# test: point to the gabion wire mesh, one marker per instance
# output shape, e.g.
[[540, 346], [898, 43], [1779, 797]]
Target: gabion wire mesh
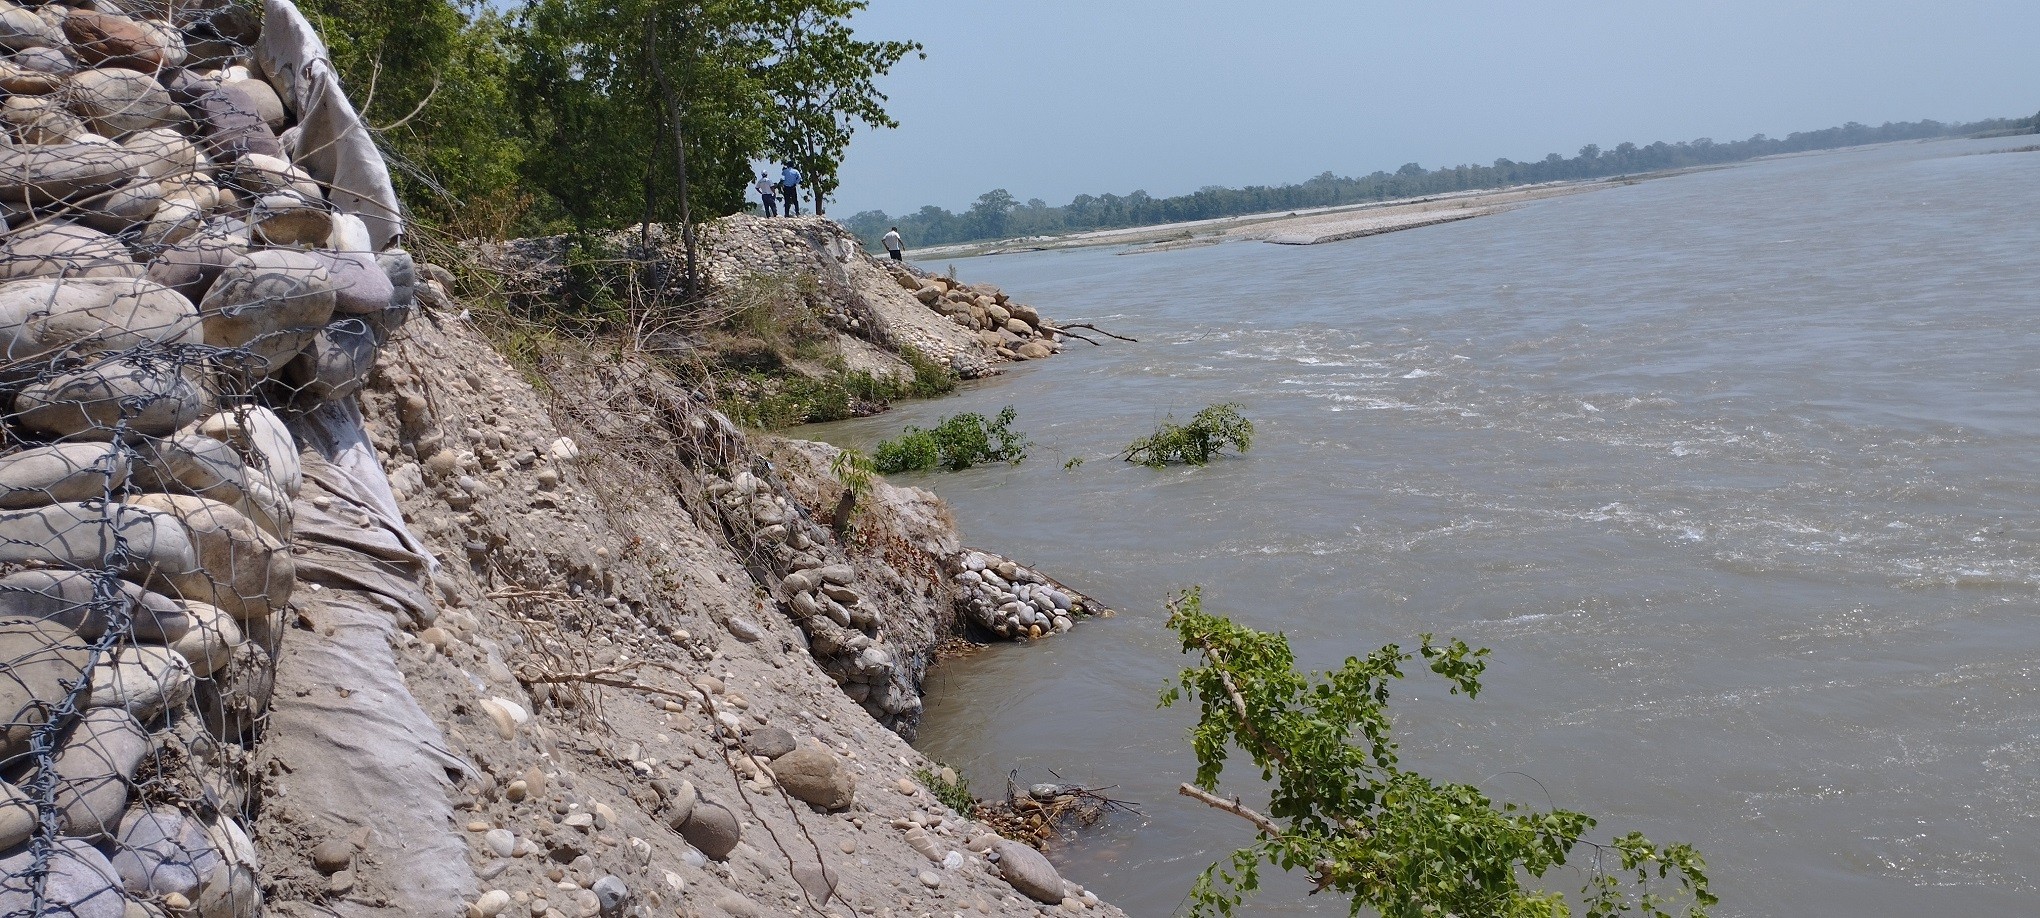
[[186, 263]]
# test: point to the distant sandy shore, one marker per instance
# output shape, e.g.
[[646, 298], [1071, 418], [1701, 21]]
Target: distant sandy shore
[[1302, 227]]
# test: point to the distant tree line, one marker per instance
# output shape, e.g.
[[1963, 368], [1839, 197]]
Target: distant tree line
[[998, 215]]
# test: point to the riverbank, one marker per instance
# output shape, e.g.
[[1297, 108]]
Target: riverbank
[[1304, 227], [668, 657], [794, 322]]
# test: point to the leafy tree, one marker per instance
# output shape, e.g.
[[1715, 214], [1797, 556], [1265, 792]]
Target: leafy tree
[[823, 84], [430, 78], [1343, 809], [989, 214], [628, 99]]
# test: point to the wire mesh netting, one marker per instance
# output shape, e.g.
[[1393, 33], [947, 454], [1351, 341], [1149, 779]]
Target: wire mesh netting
[[200, 242]]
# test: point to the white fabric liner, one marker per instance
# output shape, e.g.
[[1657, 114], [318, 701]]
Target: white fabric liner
[[333, 145], [356, 748]]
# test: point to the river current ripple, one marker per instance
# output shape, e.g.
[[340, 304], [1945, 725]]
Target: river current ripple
[[1738, 472]]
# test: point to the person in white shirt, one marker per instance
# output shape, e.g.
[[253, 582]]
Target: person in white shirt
[[892, 244], [768, 194]]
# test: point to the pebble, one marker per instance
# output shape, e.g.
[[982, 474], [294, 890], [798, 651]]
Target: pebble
[[930, 879], [743, 629], [611, 895], [332, 855], [906, 786], [491, 904], [501, 841]]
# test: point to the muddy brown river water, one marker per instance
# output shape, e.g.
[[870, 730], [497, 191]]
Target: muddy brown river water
[[1738, 472]]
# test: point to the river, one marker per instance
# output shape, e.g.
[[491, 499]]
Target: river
[[1738, 473]]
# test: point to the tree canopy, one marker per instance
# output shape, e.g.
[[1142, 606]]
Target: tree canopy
[[584, 115]]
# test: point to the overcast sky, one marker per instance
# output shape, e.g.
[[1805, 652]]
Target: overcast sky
[[1052, 98]]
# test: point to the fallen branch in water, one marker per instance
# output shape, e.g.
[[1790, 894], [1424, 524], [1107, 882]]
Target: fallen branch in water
[[1065, 331]]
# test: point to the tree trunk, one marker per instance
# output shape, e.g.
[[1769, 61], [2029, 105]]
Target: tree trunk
[[672, 103], [651, 194]]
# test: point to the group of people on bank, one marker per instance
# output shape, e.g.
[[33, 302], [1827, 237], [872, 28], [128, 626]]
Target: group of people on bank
[[784, 194], [786, 189]]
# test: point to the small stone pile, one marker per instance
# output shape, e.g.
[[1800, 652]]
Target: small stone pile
[[172, 270], [844, 634], [1012, 330], [1015, 602]]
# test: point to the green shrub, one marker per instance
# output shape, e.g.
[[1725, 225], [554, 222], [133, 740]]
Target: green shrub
[[953, 794], [913, 451], [956, 444], [931, 377], [768, 401], [1343, 808], [1209, 432]]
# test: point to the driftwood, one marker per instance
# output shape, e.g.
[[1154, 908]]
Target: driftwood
[[1038, 820], [1064, 330]]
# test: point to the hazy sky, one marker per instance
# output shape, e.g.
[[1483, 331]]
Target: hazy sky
[[1053, 98]]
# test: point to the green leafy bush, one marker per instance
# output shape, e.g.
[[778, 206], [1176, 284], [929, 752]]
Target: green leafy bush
[[931, 377], [954, 794], [957, 443], [765, 401], [1342, 807], [1209, 432]]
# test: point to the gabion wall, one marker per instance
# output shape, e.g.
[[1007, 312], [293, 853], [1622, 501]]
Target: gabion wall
[[201, 244]]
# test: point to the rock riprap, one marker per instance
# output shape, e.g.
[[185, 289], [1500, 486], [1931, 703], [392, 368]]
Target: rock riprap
[[1016, 602], [190, 258], [1013, 331]]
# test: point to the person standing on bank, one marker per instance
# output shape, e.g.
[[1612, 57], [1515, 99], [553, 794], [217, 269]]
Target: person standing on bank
[[789, 188], [768, 194], [892, 244]]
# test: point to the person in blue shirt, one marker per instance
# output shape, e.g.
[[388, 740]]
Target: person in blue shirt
[[789, 189]]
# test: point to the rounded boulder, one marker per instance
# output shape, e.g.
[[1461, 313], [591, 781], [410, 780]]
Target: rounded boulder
[[116, 101], [72, 251], [41, 317], [43, 174], [817, 776], [268, 304], [150, 393]]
